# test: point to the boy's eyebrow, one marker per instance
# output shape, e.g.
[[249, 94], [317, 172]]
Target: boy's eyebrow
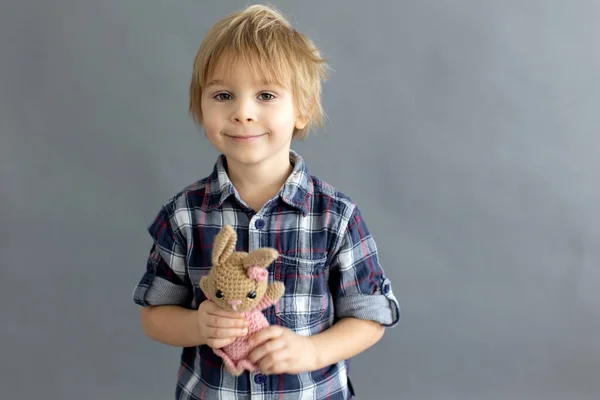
[[262, 82], [215, 82]]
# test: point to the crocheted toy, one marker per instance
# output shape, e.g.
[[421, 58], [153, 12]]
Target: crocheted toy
[[238, 281]]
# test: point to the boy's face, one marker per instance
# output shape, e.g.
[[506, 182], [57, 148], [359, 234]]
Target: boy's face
[[247, 120]]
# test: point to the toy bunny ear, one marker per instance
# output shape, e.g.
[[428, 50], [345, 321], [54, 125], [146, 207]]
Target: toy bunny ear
[[224, 245], [260, 258]]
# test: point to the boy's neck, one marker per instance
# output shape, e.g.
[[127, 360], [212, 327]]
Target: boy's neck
[[258, 183]]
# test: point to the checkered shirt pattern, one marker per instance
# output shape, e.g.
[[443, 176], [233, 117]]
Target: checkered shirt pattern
[[328, 262]]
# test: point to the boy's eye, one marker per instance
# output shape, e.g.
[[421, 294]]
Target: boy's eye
[[266, 96], [219, 294], [223, 96]]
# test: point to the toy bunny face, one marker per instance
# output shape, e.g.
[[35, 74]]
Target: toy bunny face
[[237, 280]]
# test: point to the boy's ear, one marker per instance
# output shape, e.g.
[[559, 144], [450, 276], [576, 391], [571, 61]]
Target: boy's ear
[[261, 258], [301, 122]]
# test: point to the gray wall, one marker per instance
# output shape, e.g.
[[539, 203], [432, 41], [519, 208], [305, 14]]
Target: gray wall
[[467, 132]]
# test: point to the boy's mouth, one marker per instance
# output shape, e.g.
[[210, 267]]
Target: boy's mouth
[[245, 138]]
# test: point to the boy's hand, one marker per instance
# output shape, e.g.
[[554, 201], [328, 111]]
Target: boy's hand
[[282, 351], [217, 327]]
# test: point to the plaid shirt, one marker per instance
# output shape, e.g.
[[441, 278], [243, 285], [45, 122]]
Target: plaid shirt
[[328, 262]]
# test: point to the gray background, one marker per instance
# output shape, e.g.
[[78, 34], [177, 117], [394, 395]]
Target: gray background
[[466, 130]]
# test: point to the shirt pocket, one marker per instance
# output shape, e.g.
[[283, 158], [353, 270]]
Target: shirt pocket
[[306, 297]]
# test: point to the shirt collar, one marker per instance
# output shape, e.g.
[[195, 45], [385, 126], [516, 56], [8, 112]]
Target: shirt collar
[[295, 191]]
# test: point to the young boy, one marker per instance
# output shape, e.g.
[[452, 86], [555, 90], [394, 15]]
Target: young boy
[[255, 87]]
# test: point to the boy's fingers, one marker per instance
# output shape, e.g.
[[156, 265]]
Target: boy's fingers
[[263, 335], [217, 311], [266, 349], [225, 333], [226, 322]]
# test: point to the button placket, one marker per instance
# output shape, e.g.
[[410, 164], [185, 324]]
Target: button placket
[[258, 379]]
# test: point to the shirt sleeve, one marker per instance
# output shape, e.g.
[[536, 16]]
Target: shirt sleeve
[[357, 280], [165, 281]]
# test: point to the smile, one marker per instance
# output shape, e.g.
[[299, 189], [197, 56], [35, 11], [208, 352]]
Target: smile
[[245, 139]]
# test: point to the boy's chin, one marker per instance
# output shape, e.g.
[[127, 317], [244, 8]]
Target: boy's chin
[[246, 156], [253, 156], [243, 159]]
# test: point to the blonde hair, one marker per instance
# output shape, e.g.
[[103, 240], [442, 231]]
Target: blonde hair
[[264, 39]]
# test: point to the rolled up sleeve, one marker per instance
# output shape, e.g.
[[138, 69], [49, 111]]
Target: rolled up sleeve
[[357, 280], [165, 281]]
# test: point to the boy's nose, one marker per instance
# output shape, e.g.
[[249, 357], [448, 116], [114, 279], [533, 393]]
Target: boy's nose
[[244, 120], [234, 303], [244, 113]]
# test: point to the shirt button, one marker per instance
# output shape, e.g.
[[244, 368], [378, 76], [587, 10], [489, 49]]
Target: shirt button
[[260, 379], [260, 223], [386, 288]]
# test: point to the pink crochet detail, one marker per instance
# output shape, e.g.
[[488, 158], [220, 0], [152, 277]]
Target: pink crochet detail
[[235, 354], [257, 273]]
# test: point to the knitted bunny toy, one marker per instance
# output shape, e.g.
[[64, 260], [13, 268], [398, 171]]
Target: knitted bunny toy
[[238, 281]]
